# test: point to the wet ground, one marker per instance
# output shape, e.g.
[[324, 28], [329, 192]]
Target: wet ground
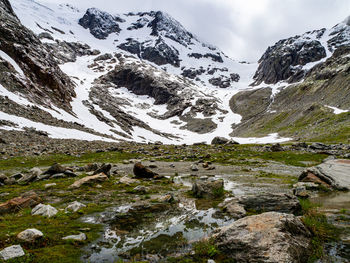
[[170, 232]]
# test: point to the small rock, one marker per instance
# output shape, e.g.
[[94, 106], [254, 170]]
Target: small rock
[[127, 180], [276, 148], [30, 235], [219, 140], [194, 168], [140, 189], [44, 210], [80, 237], [90, 167], [98, 178], [11, 252], [74, 206], [153, 166], [169, 198], [47, 186], [205, 165], [36, 171], [140, 171], [56, 169], [126, 162], [105, 168], [29, 199]]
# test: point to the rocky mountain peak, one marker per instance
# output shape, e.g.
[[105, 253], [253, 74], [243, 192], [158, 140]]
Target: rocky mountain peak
[[164, 24], [347, 21], [101, 24]]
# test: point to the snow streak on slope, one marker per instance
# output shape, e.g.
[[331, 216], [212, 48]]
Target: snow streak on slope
[[61, 21]]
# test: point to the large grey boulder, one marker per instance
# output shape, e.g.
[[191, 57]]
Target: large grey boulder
[[208, 188], [332, 173], [269, 237], [11, 252], [268, 202]]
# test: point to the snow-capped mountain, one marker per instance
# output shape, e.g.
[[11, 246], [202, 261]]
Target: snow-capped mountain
[[138, 76]]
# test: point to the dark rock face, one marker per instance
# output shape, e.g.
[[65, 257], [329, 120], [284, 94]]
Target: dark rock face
[[251, 103], [142, 83], [45, 81], [65, 52], [215, 57], [283, 61], [140, 171], [160, 53], [101, 24]]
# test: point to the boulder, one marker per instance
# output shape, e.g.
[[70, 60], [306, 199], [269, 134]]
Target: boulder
[[140, 171], [48, 186], [233, 208], [268, 202], [332, 173], [88, 180], [127, 180], [220, 140], [30, 235], [90, 167], [80, 237], [74, 207], [29, 199], [44, 210], [194, 168], [208, 188], [3, 178], [11, 252], [55, 169], [276, 148], [269, 237]]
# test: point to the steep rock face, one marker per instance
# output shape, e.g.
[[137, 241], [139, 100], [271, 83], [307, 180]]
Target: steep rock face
[[164, 24], [101, 24], [160, 53], [65, 52], [339, 35], [45, 82], [142, 83], [283, 61]]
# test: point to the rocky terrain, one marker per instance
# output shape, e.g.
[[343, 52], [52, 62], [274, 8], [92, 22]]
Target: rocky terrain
[[158, 203], [125, 138]]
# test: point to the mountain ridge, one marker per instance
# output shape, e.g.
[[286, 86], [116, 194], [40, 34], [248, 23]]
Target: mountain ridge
[[161, 83]]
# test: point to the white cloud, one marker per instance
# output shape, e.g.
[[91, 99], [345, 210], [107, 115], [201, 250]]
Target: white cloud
[[241, 28]]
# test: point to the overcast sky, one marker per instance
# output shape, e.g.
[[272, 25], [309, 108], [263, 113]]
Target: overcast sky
[[243, 29]]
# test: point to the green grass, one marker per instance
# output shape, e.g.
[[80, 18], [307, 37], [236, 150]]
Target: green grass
[[322, 231], [51, 248]]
